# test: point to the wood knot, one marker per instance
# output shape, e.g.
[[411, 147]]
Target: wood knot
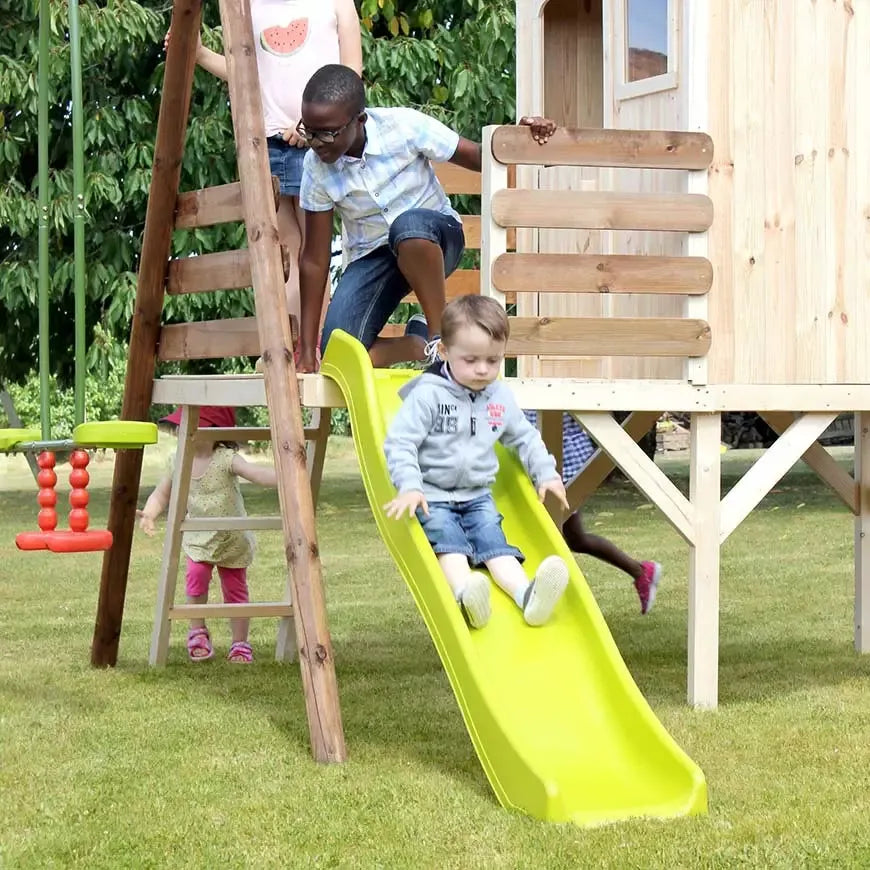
[[670, 148], [798, 159], [321, 654], [544, 321], [600, 267], [604, 288], [752, 261]]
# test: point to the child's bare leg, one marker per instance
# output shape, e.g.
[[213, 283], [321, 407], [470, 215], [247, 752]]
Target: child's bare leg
[[470, 588], [197, 599], [538, 599], [580, 541], [509, 577], [422, 264], [646, 575]]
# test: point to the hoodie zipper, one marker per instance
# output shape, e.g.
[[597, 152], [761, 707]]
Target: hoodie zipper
[[472, 420]]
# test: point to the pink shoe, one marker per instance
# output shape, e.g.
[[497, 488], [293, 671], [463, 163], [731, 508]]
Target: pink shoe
[[199, 646], [240, 653], [647, 585]]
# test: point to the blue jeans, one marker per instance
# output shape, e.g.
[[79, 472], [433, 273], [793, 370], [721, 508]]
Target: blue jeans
[[285, 162], [371, 288], [472, 528]]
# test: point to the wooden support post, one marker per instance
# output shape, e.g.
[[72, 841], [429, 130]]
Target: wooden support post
[[640, 469], [862, 532], [595, 472], [168, 151], [319, 429], [704, 489], [817, 458], [160, 633], [282, 391], [550, 427]]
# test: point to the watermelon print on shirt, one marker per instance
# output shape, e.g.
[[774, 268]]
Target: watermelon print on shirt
[[284, 41], [293, 39]]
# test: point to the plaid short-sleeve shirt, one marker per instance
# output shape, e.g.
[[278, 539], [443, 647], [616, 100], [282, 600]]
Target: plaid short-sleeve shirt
[[393, 175], [577, 447]]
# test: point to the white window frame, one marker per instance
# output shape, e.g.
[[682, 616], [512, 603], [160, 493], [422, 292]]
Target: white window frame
[[626, 90]]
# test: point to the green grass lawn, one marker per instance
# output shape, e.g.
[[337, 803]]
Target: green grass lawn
[[209, 766]]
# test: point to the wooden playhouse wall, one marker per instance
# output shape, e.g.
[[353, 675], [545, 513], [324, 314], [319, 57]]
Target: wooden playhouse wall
[[790, 243]]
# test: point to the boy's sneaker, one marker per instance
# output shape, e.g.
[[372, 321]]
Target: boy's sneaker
[[545, 590], [647, 585], [474, 601], [417, 325]]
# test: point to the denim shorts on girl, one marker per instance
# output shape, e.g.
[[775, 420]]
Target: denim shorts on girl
[[371, 288], [285, 163], [472, 528]]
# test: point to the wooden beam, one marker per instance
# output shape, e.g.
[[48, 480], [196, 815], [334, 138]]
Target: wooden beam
[[704, 489], [641, 470], [650, 149], [602, 210], [231, 524], [550, 426], [177, 510], [593, 273], [224, 270], [608, 336], [595, 472], [213, 205], [862, 533], [549, 394], [210, 339], [817, 458], [455, 179], [165, 175], [231, 611], [769, 469], [305, 583]]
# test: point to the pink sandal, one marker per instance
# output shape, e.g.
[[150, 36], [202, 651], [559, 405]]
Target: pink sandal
[[199, 646], [240, 653]]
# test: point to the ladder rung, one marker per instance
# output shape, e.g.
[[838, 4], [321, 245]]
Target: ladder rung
[[236, 433], [245, 433], [224, 270], [230, 524], [213, 205], [230, 611]]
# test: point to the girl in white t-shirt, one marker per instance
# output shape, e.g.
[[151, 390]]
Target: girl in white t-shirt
[[294, 38]]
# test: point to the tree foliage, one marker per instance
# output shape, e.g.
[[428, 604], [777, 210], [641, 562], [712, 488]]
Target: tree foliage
[[451, 58]]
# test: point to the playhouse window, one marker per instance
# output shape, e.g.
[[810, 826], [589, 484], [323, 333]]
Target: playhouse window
[[646, 38]]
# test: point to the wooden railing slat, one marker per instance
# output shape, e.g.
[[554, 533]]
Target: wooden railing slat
[[599, 273], [608, 336], [224, 270], [596, 210], [647, 149]]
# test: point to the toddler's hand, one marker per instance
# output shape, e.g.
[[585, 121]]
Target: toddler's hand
[[556, 487], [146, 523], [406, 501]]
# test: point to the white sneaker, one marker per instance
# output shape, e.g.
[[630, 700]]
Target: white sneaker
[[474, 601], [545, 590]]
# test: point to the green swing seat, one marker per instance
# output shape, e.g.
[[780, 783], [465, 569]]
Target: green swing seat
[[10, 437], [115, 434]]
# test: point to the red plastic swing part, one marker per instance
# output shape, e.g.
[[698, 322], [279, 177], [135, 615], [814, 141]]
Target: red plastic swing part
[[78, 539]]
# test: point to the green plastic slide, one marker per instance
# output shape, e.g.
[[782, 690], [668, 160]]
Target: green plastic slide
[[561, 729]]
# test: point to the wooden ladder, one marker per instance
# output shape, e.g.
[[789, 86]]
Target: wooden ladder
[[251, 199]]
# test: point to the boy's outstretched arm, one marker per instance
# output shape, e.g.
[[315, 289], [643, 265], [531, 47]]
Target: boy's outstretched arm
[[265, 475], [313, 274], [468, 154]]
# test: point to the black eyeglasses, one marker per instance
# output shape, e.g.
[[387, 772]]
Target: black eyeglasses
[[325, 136]]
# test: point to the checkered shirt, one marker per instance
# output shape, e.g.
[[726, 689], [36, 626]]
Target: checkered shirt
[[577, 447], [393, 175]]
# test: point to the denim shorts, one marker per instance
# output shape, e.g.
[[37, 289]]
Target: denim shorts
[[371, 288], [472, 528], [285, 162]]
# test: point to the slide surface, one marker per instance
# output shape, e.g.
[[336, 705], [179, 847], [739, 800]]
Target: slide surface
[[561, 729]]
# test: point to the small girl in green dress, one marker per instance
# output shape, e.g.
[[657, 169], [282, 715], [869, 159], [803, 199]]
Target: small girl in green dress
[[214, 492]]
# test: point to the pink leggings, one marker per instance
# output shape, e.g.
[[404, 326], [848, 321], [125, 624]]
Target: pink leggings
[[234, 581]]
